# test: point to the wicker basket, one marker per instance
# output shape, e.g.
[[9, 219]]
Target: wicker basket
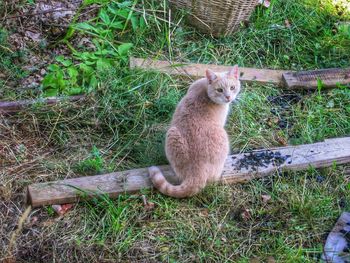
[[217, 17]]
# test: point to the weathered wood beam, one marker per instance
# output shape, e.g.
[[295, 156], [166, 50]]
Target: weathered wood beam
[[196, 71], [330, 78], [285, 78], [238, 168], [8, 107]]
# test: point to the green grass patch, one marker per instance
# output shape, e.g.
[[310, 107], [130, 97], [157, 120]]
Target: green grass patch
[[322, 116], [311, 41], [210, 227]]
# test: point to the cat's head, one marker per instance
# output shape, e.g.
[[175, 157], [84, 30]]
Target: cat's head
[[223, 87]]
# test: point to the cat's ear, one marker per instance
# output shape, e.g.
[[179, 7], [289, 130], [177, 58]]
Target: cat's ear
[[233, 73], [211, 76]]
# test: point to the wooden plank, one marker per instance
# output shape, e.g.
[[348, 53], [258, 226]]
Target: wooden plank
[[8, 107], [238, 168], [196, 71], [330, 78]]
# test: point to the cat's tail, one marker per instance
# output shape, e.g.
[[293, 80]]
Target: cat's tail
[[185, 189]]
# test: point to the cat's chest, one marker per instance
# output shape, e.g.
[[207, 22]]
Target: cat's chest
[[222, 116]]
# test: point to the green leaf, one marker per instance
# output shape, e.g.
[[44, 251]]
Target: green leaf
[[102, 52], [83, 55], [85, 68], [70, 33], [134, 22], [74, 91], [50, 92], [87, 62], [117, 25], [93, 82], [123, 13], [53, 67], [63, 61], [124, 48], [142, 22], [49, 80], [104, 16], [59, 58], [102, 64], [73, 74], [86, 26], [90, 2], [125, 4], [61, 83]]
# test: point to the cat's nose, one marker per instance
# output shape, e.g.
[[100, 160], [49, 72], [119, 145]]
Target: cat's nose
[[228, 98]]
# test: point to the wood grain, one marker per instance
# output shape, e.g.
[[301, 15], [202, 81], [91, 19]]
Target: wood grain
[[309, 79], [196, 71], [8, 107], [316, 155]]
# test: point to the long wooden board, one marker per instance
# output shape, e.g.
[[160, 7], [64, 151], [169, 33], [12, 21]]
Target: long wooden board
[[196, 71], [236, 170], [8, 107], [330, 78]]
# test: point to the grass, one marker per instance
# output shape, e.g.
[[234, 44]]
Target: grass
[[322, 116], [10, 66], [311, 41], [122, 126], [209, 227]]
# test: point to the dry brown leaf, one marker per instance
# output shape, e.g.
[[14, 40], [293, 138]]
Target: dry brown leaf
[[36, 37], [62, 209], [204, 212], [246, 214], [255, 260], [9, 260], [147, 205]]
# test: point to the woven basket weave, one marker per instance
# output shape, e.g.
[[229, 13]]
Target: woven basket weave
[[217, 17]]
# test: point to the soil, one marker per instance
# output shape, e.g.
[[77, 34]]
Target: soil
[[34, 33]]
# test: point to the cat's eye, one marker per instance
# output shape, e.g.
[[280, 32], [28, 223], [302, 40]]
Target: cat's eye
[[220, 90], [232, 87]]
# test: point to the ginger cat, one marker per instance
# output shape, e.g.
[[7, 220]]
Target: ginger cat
[[196, 143]]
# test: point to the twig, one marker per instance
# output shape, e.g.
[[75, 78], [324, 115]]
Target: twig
[[6, 48], [8, 107]]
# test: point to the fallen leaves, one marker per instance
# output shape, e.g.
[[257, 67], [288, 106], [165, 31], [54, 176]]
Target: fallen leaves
[[246, 214], [62, 209], [204, 212], [147, 205], [9, 260], [36, 37]]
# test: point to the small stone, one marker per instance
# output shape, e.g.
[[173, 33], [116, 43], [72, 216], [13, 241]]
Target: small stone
[[320, 179], [42, 72], [265, 198]]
